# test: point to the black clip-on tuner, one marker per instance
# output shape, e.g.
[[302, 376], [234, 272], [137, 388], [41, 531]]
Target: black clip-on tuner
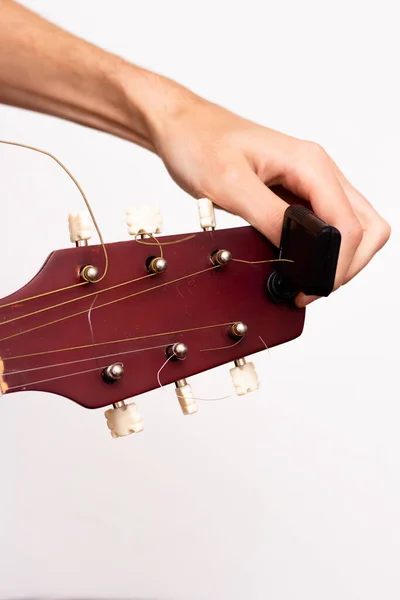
[[310, 248]]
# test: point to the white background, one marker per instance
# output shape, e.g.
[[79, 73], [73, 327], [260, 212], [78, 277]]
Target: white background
[[292, 492]]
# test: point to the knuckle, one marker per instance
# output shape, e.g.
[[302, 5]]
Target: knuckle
[[314, 151], [383, 231]]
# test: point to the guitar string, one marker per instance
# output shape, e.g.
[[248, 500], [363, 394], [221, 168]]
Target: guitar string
[[259, 262], [131, 339], [61, 364], [177, 389], [19, 333], [170, 243], [63, 289], [72, 300], [222, 347], [107, 289], [49, 293], [55, 378], [112, 301], [74, 362], [86, 201], [118, 354]]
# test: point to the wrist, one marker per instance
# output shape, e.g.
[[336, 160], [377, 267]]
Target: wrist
[[153, 102]]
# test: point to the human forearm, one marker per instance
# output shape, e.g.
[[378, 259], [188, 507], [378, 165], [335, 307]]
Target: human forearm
[[46, 69]]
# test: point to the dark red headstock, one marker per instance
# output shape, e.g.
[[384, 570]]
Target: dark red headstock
[[64, 349]]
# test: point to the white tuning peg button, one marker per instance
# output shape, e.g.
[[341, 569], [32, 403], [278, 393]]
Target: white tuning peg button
[[80, 227], [184, 394], [206, 214], [244, 377], [124, 419], [144, 219]]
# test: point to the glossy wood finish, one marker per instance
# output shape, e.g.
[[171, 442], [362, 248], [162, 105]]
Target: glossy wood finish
[[231, 293]]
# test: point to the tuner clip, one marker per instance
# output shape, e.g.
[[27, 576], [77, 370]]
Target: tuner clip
[[309, 252]]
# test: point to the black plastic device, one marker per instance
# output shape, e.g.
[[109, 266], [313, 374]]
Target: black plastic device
[[313, 247]]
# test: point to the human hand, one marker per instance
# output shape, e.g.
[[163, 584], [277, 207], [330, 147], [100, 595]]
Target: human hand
[[213, 153]]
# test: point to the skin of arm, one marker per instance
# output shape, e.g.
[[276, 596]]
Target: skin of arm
[[209, 151]]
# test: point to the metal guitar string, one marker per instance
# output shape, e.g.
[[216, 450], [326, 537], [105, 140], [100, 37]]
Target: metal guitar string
[[107, 303], [214, 267], [177, 393], [24, 385], [170, 243], [72, 300], [118, 354], [79, 360], [266, 347], [86, 201], [110, 288], [223, 347], [161, 368], [62, 364], [131, 339], [68, 287], [90, 318]]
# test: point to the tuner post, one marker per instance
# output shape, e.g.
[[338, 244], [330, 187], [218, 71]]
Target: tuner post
[[219, 258], [238, 330], [156, 264], [89, 273], [113, 373], [177, 351]]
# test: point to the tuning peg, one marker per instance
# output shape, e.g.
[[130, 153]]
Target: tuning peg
[[244, 377], [206, 214], [142, 220], [80, 227], [124, 419], [185, 396]]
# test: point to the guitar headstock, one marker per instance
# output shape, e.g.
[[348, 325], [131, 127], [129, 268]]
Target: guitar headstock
[[166, 309]]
